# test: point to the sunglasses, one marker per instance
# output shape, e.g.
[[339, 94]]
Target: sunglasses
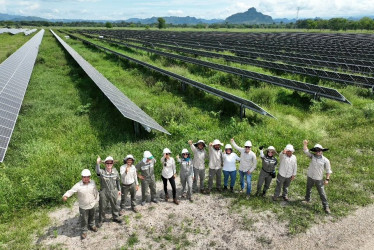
[[108, 163], [185, 154], [247, 147]]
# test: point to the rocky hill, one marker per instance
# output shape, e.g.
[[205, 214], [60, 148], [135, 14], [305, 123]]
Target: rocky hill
[[251, 16]]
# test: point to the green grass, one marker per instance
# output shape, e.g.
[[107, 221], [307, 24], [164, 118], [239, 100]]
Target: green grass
[[65, 122], [10, 43]]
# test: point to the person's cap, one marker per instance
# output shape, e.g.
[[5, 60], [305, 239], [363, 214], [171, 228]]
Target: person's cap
[[200, 141], [289, 147], [166, 151], [271, 149], [318, 147], [185, 151], [86, 172], [228, 146], [109, 158], [217, 142], [248, 144], [128, 157], [147, 155]]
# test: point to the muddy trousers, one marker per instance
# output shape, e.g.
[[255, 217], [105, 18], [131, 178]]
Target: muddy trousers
[[125, 190], [111, 197], [282, 182], [186, 179], [148, 183], [199, 174], [173, 187], [215, 173], [87, 218], [320, 188], [264, 177]]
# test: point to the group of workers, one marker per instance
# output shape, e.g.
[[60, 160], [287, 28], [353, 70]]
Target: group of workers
[[114, 183]]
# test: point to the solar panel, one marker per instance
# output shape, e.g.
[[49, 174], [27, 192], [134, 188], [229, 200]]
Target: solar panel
[[127, 108], [15, 73], [28, 32]]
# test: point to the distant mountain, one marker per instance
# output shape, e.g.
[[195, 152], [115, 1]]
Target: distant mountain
[[6, 17], [284, 20], [251, 16], [175, 20]]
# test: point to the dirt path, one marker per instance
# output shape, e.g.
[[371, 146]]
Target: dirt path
[[208, 222]]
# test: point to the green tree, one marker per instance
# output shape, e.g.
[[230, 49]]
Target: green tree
[[161, 23], [108, 25], [366, 23]]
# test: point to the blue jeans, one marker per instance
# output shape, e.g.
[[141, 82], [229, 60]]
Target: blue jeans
[[249, 179], [226, 175]]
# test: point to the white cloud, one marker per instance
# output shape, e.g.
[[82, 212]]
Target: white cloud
[[3, 6], [175, 12]]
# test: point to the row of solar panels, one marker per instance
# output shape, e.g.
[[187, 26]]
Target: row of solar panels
[[354, 65], [15, 73], [291, 84], [227, 96], [16, 31], [209, 38], [361, 81]]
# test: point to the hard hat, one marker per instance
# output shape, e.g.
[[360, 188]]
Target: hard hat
[[217, 142], [271, 148], [166, 151], [128, 157], [86, 172], [200, 141], [228, 146], [147, 154], [248, 144], [289, 147], [109, 158], [185, 151], [318, 147]]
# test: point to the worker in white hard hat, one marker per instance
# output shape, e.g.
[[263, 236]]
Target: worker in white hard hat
[[129, 183], [215, 164], [269, 162], [110, 189], [168, 173], [229, 167], [287, 172], [198, 162], [186, 173], [318, 164], [248, 164], [146, 173], [88, 197]]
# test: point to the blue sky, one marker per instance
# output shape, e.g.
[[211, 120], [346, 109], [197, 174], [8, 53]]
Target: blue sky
[[208, 9]]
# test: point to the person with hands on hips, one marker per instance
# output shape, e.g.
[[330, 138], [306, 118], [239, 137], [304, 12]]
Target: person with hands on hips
[[318, 164]]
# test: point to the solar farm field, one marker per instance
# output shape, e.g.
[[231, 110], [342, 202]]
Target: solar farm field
[[270, 88]]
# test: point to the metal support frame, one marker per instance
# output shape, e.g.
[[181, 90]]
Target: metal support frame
[[136, 128]]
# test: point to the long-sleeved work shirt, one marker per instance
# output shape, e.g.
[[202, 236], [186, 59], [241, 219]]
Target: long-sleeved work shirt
[[130, 177], [248, 161], [147, 169], [186, 167], [108, 180], [215, 158], [317, 165], [199, 157], [287, 165], [268, 163], [87, 194]]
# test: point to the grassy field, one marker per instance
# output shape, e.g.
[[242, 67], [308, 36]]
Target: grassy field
[[65, 122], [10, 43]]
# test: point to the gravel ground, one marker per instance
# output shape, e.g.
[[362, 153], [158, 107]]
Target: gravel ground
[[208, 222]]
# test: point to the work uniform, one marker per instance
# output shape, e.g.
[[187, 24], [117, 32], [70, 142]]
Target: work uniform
[[215, 167], [287, 169], [88, 197], [129, 182], [267, 172], [248, 164], [110, 185], [198, 162], [317, 166], [229, 168], [147, 171], [168, 171], [186, 174]]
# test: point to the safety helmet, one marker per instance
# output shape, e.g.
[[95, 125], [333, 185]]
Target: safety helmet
[[217, 142], [289, 147], [166, 151], [86, 172], [109, 158], [248, 144], [185, 151], [128, 157], [147, 154], [228, 146]]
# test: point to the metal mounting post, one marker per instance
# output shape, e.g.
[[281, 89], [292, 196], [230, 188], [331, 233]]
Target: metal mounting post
[[136, 128]]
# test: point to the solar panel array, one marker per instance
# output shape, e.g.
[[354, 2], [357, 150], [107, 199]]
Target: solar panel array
[[16, 31], [227, 96], [15, 73], [291, 84], [127, 108]]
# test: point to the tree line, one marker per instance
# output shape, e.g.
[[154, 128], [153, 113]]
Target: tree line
[[335, 24]]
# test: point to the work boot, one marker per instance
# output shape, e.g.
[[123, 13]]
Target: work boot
[[176, 201], [232, 189], [306, 202], [219, 190], [191, 200], [100, 224], [264, 194], [122, 212], [83, 236], [166, 197], [285, 198], [93, 229], [202, 191], [143, 203], [154, 201], [119, 221], [327, 210], [224, 188], [274, 198], [207, 191]]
